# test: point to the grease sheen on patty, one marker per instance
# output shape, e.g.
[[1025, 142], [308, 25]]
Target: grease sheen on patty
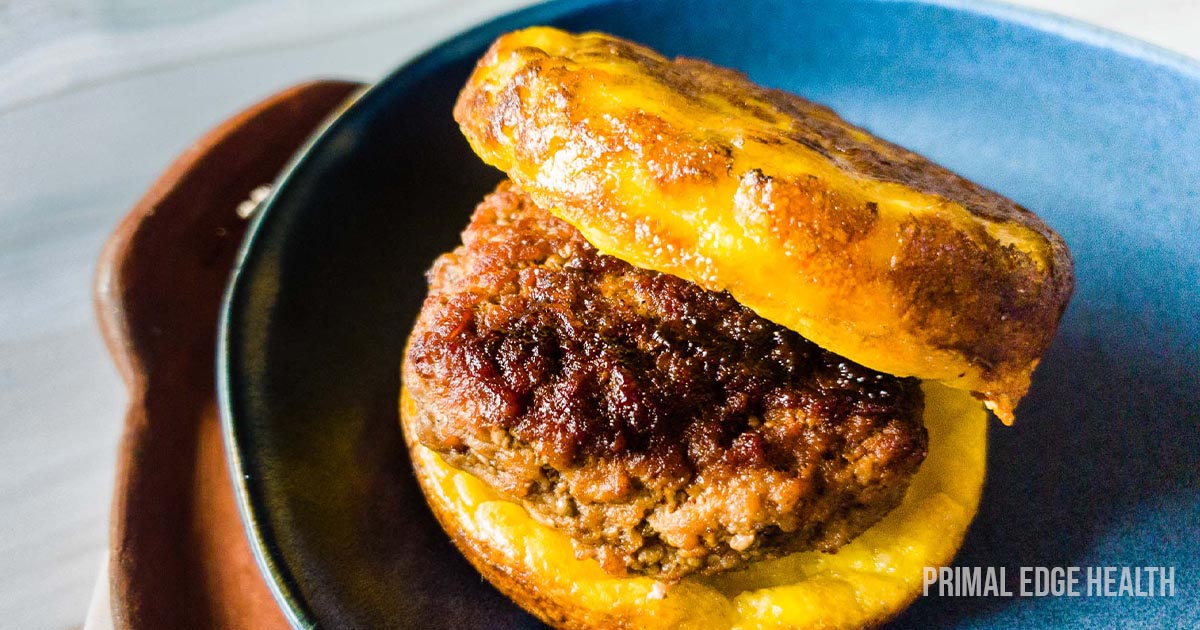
[[666, 428]]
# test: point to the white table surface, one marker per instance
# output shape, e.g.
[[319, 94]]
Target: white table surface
[[96, 97]]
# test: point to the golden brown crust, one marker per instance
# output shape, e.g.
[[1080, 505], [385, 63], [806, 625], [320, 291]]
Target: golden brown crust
[[866, 248]]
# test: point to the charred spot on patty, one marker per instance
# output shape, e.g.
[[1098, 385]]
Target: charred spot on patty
[[666, 428]]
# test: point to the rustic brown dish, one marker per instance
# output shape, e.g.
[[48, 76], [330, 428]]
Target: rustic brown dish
[[179, 556]]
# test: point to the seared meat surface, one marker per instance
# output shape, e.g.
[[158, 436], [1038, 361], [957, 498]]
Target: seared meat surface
[[666, 428]]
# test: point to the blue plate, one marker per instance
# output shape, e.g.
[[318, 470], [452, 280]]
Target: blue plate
[[1098, 134]]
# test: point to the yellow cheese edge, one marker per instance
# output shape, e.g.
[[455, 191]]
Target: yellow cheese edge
[[866, 582]]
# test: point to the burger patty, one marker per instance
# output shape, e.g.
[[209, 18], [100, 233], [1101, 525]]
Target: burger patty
[[665, 428]]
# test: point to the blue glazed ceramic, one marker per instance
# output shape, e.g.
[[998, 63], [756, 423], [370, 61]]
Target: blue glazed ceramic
[[1098, 134]]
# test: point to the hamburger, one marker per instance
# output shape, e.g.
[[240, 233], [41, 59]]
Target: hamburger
[[711, 356]]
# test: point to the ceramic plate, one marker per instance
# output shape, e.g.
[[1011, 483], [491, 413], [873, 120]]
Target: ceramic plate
[[1098, 134]]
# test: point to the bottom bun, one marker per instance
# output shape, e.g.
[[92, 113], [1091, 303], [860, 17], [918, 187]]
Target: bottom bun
[[867, 582]]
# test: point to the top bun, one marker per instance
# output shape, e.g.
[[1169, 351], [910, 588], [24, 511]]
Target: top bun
[[867, 249]]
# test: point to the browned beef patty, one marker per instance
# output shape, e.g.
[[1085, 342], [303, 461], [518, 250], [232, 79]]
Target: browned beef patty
[[667, 429]]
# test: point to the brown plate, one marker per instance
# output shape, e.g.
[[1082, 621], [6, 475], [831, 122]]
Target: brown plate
[[179, 554]]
